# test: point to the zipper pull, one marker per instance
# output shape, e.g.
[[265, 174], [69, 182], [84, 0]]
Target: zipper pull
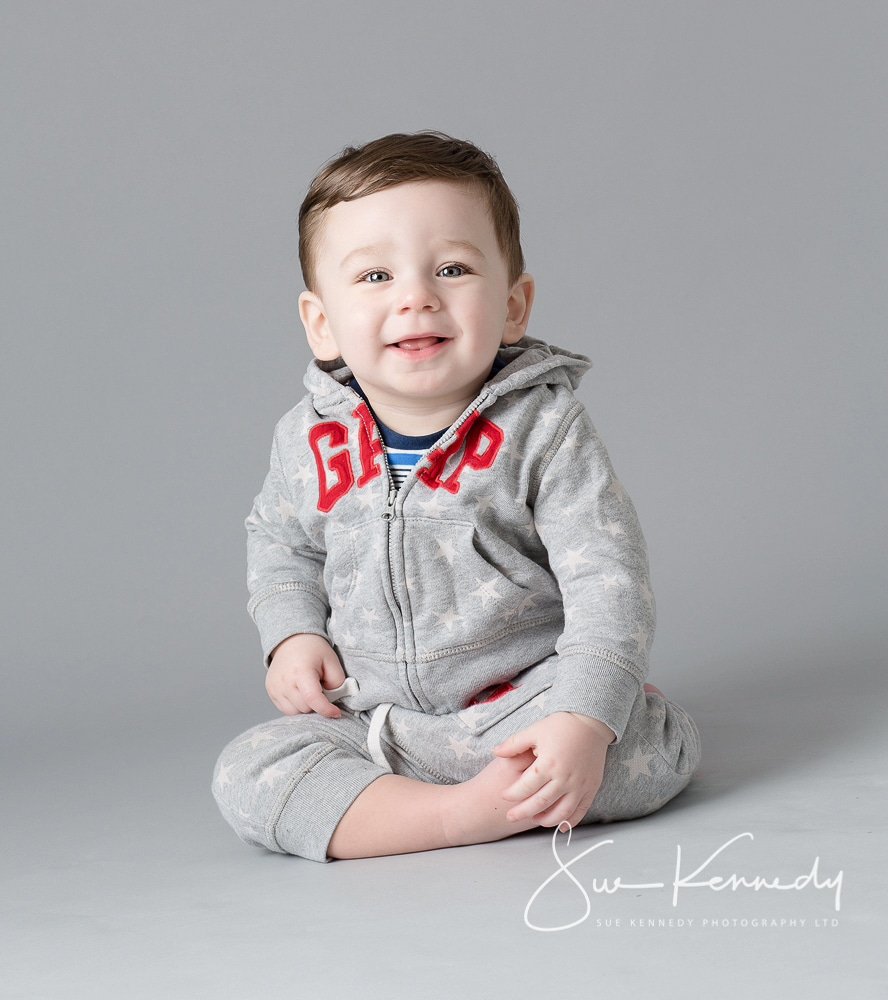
[[389, 511]]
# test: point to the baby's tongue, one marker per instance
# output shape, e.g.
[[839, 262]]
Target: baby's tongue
[[418, 343]]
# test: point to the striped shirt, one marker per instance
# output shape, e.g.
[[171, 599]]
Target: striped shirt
[[405, 450]]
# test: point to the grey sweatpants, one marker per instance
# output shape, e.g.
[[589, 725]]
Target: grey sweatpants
[[285, 784]]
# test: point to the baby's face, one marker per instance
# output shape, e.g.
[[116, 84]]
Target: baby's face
[[417, 259]]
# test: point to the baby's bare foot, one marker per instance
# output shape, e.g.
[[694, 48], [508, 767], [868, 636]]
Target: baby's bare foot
[[476, 813]]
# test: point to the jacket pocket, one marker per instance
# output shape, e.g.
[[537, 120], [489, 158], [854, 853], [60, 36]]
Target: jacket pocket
[[499, 701], [355, 575], [470, 586], [339, 572]]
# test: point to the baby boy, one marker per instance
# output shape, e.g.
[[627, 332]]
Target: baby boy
[[450, 583]]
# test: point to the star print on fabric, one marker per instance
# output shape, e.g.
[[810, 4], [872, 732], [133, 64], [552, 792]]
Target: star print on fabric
[[483, 503], [540, 700], [223, 779], [445, 550], [461, 747], [271, 774], [448, 618], [526, 603], [616, 488], [573, 442], [566, 513], [286, 510], [547, 416], [614, 528], [338, 598], [609, 582], [433, 506], [402, 725], [474, 714], [569, 512], [641, 636], [252, 576], [366, 498], [302, 475], [263, 736], [511, 450], [369, 614], [574, 558], [486, 591], [347, 637], [647, 593], [638, 763]]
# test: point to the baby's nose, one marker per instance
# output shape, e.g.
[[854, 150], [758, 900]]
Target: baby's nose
[[418, 293]]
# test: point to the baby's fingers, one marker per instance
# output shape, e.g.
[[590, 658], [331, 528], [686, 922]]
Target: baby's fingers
[[539, 802], [563, 809], [530, 780], [313, 695]]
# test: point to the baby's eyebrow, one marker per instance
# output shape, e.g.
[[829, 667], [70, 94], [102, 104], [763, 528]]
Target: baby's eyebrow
[[374, 249], [463, 245], [370, 250]]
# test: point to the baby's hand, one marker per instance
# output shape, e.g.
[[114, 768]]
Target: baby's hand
[[562, 783], [298, 666]]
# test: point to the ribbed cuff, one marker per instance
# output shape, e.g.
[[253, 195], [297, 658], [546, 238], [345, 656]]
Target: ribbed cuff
[[289, 613], [594, 686], [319, 801]]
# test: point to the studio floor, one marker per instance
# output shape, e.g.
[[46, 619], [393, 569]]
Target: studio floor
[[123, 881]]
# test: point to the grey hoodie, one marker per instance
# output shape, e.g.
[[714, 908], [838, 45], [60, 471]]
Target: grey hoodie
[[511, 541]]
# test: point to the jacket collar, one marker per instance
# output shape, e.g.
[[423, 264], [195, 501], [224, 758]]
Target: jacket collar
[[528, 362]]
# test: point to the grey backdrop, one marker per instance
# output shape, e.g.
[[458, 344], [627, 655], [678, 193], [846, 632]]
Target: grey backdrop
[[703, 196]]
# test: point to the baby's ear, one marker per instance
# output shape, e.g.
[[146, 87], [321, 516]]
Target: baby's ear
[[317, 327], [519, 305]]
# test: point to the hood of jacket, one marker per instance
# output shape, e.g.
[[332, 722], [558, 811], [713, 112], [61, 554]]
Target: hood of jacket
[[528, 362]]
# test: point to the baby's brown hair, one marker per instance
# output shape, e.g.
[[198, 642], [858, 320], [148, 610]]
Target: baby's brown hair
[[397, 159]]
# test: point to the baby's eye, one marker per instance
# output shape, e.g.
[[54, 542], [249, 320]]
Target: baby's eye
[[454, 267], [371, 276]]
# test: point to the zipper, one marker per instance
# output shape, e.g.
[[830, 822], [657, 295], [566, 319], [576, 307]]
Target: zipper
[[389, 511], [455, 427], [388, 515]]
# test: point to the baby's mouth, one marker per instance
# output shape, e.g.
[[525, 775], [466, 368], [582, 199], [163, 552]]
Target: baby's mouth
[[418, 343]]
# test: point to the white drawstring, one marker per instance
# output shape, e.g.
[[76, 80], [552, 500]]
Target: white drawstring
[[347, 687], [373, 743]]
